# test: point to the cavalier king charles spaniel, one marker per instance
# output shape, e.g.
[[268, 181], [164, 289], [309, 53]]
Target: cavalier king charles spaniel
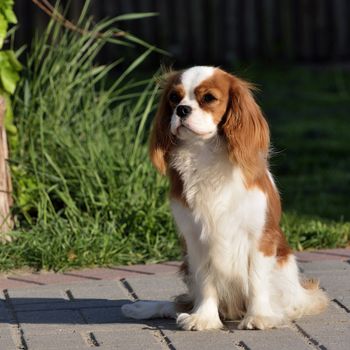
[[212, 141]]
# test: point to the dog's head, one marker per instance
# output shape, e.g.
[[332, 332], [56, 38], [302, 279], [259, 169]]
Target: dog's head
[[205, 102]]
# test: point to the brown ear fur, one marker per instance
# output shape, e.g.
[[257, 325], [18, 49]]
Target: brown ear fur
[[161, 138], [246, 131]]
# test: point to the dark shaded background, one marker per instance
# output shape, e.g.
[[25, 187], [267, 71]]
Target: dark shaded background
[[221, 32]]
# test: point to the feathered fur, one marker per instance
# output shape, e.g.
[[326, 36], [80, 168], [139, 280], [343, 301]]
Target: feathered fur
[[237, 263]]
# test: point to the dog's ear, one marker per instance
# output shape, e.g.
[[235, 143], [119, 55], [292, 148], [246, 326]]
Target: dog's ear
[[246, 130], [161, 138]]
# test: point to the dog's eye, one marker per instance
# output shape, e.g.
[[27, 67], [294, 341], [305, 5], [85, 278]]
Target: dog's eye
[[207, 98], [174, 97]]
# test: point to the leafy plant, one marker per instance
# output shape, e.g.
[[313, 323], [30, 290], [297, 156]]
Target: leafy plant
[[6, 16], [85, 192], [9, 67]]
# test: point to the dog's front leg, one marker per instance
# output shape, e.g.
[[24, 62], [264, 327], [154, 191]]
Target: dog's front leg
[[205, 312], [260, 314]]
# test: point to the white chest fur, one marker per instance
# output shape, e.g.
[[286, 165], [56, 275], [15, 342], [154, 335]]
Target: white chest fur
[[224, 218]]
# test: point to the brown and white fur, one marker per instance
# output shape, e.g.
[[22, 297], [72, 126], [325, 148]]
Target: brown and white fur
[[237, 264]]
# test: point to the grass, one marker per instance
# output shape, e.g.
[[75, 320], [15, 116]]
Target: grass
[[85, 191]]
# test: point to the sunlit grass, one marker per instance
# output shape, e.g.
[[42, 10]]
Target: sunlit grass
[[85, 192]]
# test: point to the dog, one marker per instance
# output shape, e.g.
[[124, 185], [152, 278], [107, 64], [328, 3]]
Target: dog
[[212, 141]]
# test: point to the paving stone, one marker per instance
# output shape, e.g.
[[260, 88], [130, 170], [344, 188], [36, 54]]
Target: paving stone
[[5, 316], [156, 287], [108, 315], [60, 339], [100, 290], [104, 315], [54, 320], [71, 305], [97, 294], [335, 285], [329, 335], [325, 266], [283, 338], [37, 295], [330, 327], [6, 340], [135, 340], [340, 254], [41, 322], [149, 269], [334, 344], [345, 301], [28, 280], [188, 340]]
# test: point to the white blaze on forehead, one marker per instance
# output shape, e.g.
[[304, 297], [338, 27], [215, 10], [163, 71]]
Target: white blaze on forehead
[[193, 77], [198, 121]]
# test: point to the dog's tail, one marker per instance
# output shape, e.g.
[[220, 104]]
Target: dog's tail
[[308, 299], [144, 310], [316, 299]]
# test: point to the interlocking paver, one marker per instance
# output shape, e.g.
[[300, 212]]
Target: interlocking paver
[[345, 301], [157, 287], [105, 315], [4, 314], [232, 338], [325, 266], [6, 339], [60, 339], [183, 340], [327, 335], [138, 338], [37, 295], [41, 322], [271, 339], [111, 290], [335, 285], [85, 312], [70, 305]]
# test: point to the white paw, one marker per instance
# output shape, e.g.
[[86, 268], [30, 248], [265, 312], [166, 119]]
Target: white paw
[[259, 322], [143, 310], [134, 310], [198, 322], [140, 310]]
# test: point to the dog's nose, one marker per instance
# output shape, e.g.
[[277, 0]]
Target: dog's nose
[[183, 111]]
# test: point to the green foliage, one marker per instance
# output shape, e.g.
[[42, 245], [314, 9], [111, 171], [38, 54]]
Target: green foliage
[[313, 233], [9, 68], [85, 192], [6, 16]]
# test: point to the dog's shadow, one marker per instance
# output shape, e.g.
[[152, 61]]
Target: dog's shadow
[[71, 311], [89, 311]]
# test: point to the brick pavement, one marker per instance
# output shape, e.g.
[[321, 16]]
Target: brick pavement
[[81, 310]]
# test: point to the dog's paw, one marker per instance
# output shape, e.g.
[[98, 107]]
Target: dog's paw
[[260, 322], [198, 322], [135, 310], [143, 310]]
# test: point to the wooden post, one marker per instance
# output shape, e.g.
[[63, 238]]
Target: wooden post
[[6, 221]]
